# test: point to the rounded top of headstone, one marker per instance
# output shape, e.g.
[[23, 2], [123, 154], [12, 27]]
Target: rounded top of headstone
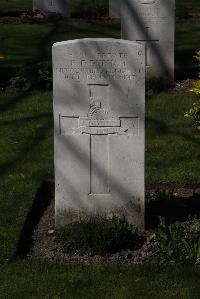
[[107, 40]]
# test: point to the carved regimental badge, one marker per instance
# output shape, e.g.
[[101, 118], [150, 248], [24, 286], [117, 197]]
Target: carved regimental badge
[[99, 119]]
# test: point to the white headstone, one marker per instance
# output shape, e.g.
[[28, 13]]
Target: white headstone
[[99, 115], [152, 22], [114, 8], [48, 7]]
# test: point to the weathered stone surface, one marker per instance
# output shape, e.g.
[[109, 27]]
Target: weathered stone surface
[[49, 7], [114, 8], [152, 22], [99, 112]]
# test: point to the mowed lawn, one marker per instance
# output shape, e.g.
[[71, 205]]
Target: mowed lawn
[[34, 279], [26, 150], [13, 6]]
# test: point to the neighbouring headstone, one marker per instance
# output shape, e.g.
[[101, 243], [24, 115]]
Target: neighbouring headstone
[[50, 7], [99, 115], [114, 8], [152, 22]]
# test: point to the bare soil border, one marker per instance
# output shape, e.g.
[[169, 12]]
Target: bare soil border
[[171, 200]]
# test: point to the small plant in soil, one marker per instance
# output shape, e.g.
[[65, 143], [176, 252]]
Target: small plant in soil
[[97, 235], [179, 242], [19, 83]]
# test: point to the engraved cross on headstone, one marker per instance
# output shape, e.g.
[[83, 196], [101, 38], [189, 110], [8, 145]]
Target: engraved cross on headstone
[[99, 124], [148, 44]]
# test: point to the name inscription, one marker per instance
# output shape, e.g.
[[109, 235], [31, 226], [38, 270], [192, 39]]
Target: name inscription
[[110, 66]]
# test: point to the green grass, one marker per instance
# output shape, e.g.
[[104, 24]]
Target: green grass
[[26, 148], [10, 6], [172, 147], [42, 280]]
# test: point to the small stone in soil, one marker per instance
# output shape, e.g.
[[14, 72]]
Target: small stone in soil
[[51, 232]]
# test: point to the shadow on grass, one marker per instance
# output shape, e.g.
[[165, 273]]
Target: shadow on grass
[[172, 208], [162, 128], [30, 145], [13, 101], [41, 202], [186, 66]]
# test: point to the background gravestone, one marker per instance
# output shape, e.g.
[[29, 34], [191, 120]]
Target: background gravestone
[[99, 112], [48, 7], [152, 22], [114, 8]]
